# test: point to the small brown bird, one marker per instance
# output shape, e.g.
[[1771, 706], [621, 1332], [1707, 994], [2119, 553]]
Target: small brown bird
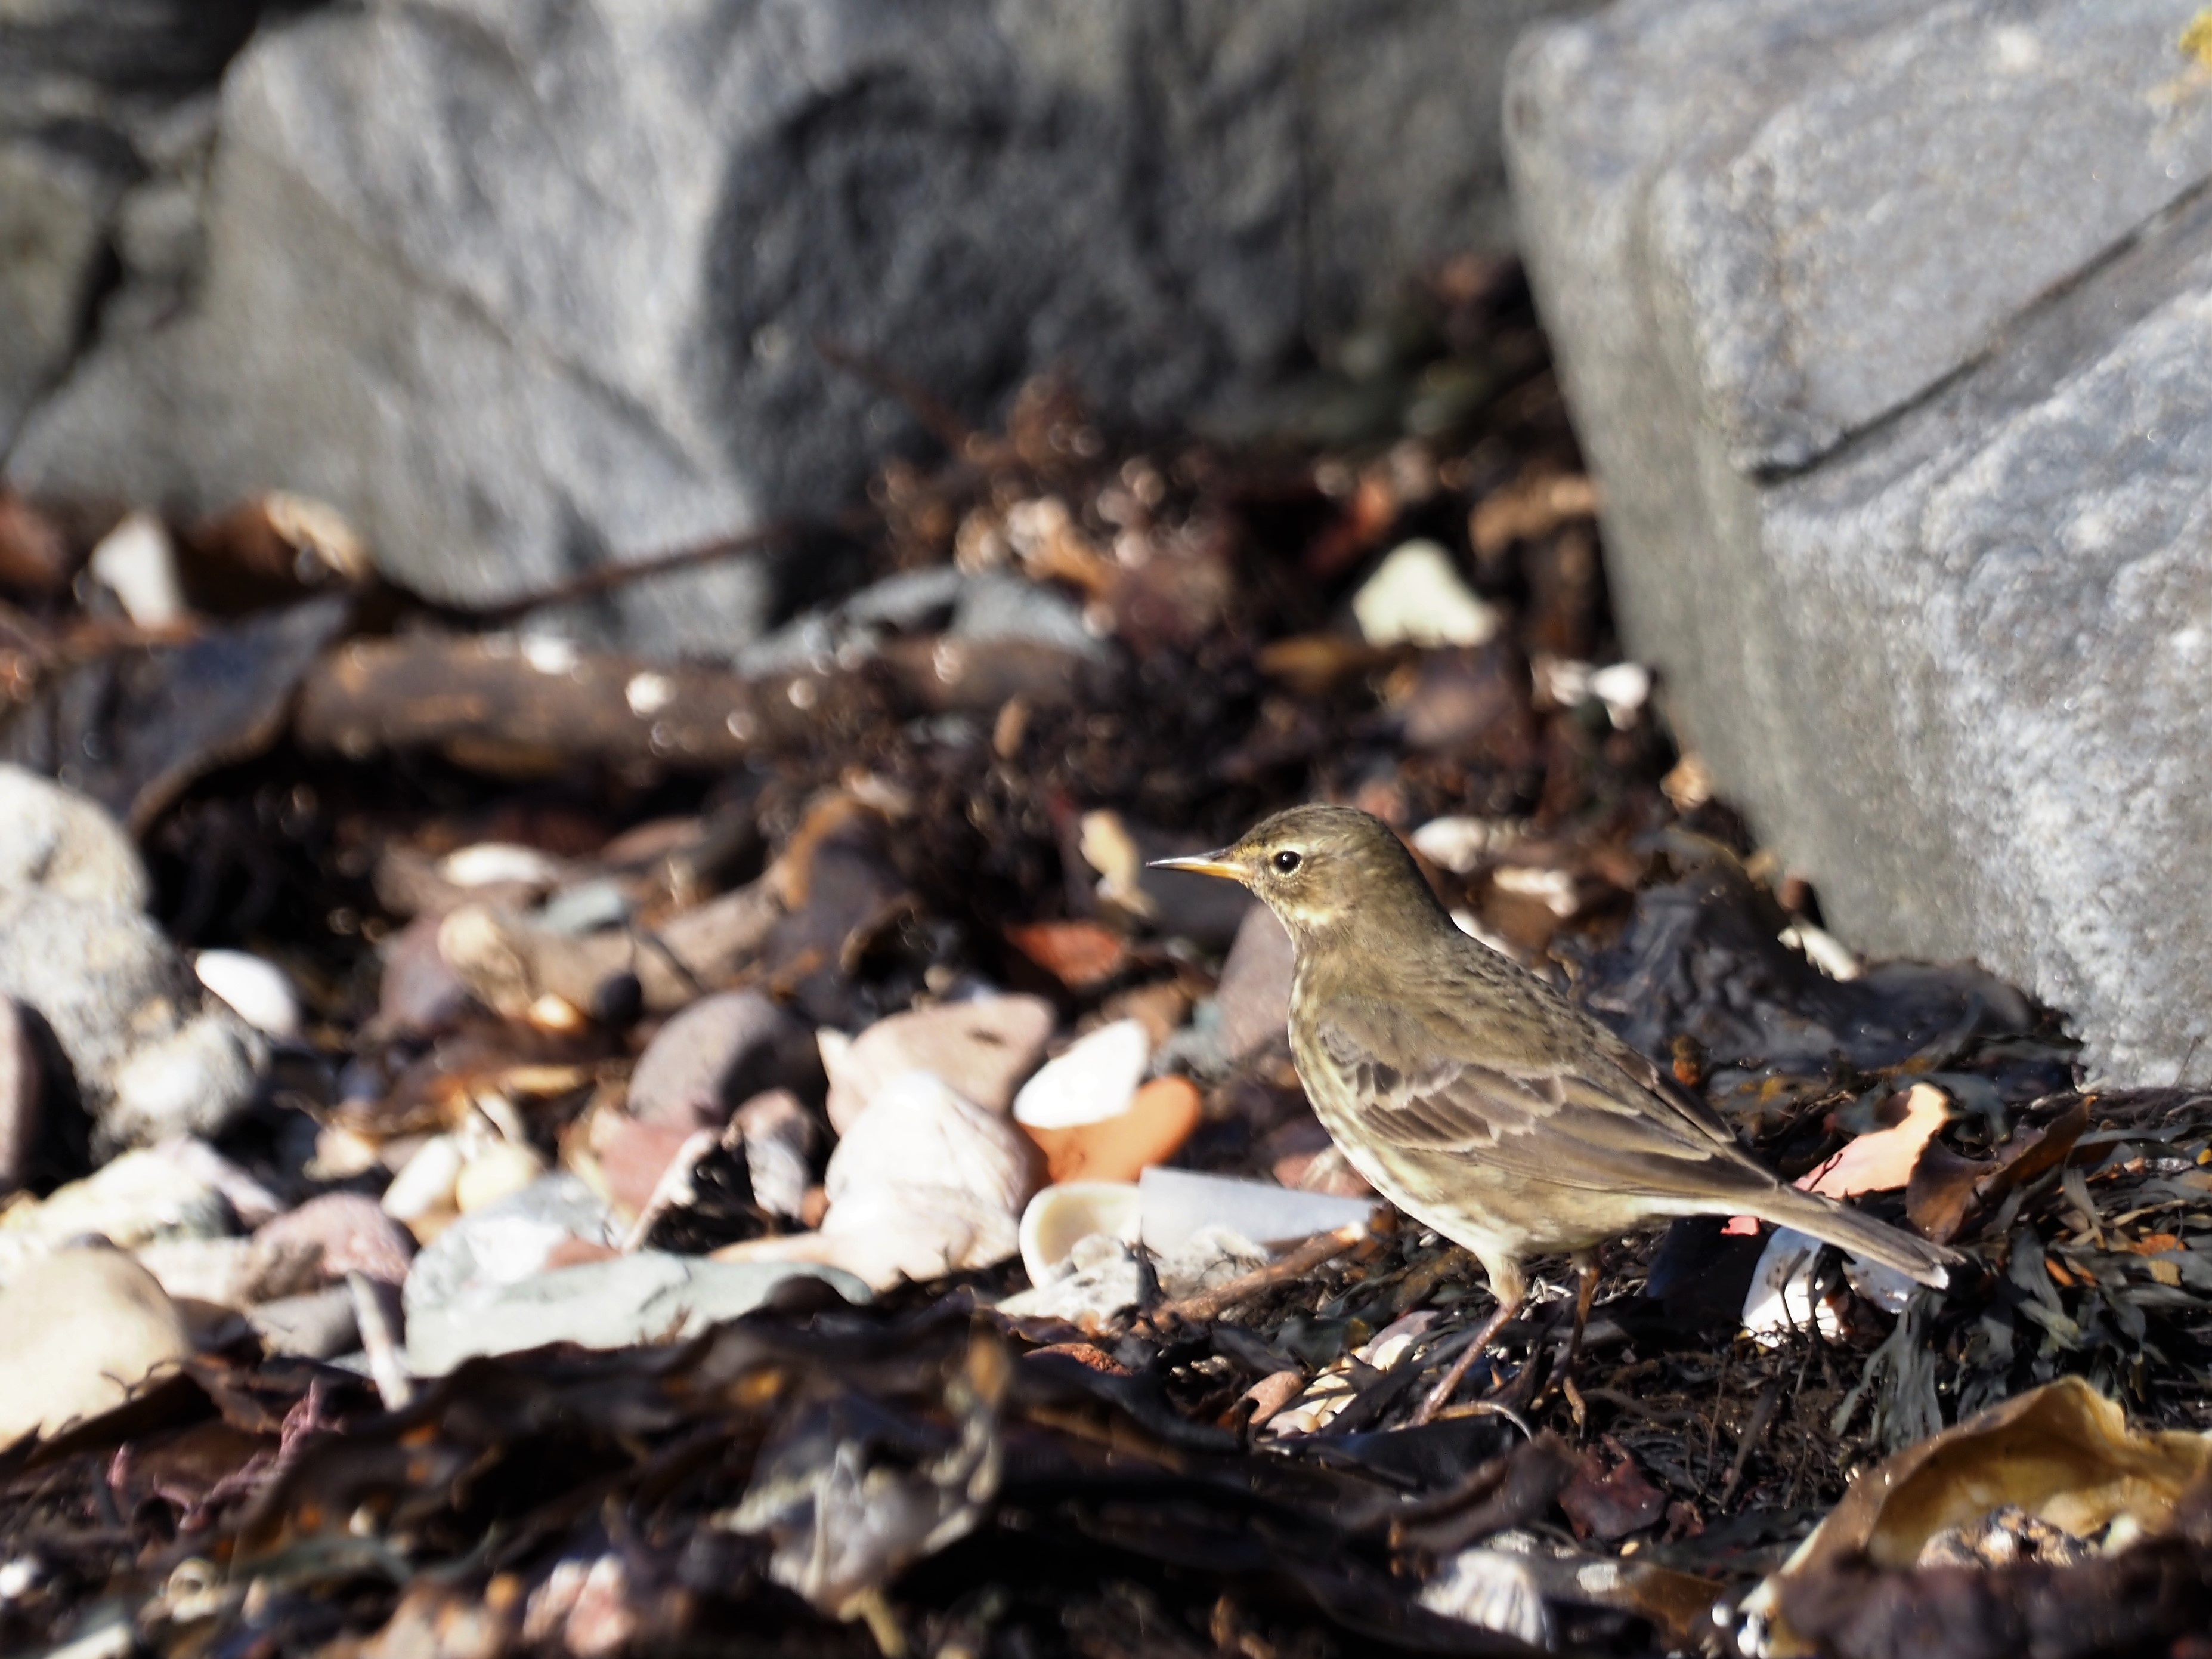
[[1478, 1099]]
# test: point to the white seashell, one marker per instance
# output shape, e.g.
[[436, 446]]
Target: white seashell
[[1060, 1218], [425, 1182], [259, 992], [1096, 1284], [1416, 598], [925, 1182], [1096, 1079], [1178, 1204], [1780, 1299], [1492, 1589]]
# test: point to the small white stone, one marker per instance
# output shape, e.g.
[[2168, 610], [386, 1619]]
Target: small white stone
[[1458, 844], [1094, 1080], [427, 1181], [1624, 688], [1823, 950], [490, 863], [1556, 887], [500, 1170], [981, 1048], [259, 992], [136, 562], [1416, 598]]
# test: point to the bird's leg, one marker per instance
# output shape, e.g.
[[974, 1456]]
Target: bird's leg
[[1510, 1288], [1585, 1293]]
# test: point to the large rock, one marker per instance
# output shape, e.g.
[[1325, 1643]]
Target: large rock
[[1884, 325], [54, 207], [118, 45], [528, 287], [92, 96]]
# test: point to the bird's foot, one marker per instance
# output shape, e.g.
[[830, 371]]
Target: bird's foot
[[1575, 1403], [1440, 1396]]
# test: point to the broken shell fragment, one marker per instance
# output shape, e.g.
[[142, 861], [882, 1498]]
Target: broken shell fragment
[[1094, 1079], [1063, 1216], [1150, 1131]]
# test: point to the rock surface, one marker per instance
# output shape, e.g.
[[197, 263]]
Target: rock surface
[[524, 288], [717, 1053], [102, 112], [1254, 993], [57, 840], [1885, 327], [151, 1056]]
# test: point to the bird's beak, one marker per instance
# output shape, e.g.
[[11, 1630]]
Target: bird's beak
[[1207, 863]]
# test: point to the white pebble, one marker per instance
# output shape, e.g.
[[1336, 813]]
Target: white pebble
[[425, 1182], [1416, 598], [1458, 844], [500, 1171], [487, 862], [136, 562], [259, 993]]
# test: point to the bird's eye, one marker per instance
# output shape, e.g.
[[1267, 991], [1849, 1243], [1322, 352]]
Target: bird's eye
[[1286, 861]]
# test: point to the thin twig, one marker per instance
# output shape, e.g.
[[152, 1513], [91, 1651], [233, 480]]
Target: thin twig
[[385, 1363], [1204, 1305], [1761, 1415], [606, 578], [940, 419]]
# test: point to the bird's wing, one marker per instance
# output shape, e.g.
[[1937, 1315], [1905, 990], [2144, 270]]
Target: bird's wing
[[1611, 1131]]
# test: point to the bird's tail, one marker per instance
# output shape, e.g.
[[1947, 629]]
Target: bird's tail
[[1860, 1234]]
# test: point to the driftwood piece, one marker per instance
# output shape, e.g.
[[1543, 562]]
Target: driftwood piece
[[502, 702], [133, 727], [496, 698]]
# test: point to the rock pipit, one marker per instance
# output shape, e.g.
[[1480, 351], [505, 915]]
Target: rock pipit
[[1476, 1097]]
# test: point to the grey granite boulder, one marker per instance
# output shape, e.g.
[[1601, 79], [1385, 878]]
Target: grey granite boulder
[[525, 286], [1886, 327], [102, 105], [54, 207]]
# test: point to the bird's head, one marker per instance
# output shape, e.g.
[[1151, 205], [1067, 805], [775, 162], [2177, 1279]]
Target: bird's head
[[1321, 869]]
